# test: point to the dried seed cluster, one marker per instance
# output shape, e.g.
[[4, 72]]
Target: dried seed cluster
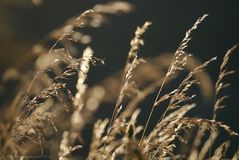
[[48, 116]]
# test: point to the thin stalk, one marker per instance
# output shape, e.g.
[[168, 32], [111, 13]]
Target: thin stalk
[[151, 112]]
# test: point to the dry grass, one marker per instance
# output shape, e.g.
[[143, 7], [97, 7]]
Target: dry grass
[[47, 117]]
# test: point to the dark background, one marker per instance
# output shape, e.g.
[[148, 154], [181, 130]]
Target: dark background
[[23, 24]]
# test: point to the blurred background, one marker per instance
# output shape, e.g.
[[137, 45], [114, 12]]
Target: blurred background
[[23, 23]]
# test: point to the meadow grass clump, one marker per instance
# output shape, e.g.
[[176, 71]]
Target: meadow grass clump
[[53, 104]]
